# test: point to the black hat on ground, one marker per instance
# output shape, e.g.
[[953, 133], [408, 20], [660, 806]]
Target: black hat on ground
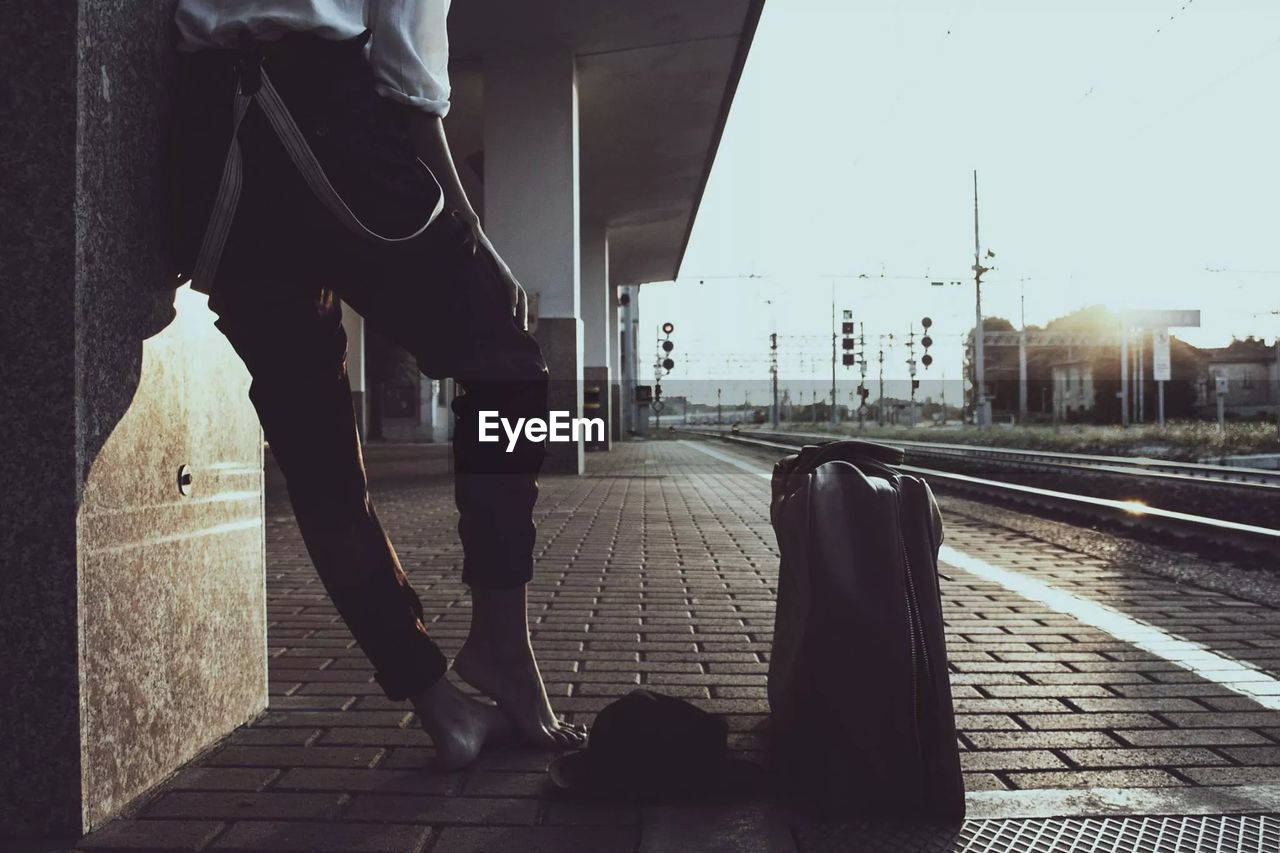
[[648, 746]]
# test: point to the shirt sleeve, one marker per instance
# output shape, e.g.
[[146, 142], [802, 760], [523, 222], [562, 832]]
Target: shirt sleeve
[[410, 52]]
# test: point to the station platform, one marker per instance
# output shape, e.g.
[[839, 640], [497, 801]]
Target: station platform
[[1090, 692]]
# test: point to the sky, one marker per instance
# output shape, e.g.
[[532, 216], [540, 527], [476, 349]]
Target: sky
[[1128, 154]]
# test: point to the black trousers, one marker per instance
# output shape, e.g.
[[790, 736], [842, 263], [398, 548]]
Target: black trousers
[[286, 265]]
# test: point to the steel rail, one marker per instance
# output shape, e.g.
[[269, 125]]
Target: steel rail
[[1258, 480], [1254, 536]]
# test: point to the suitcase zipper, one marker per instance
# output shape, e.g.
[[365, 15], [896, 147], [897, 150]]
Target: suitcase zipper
[[915, 623]]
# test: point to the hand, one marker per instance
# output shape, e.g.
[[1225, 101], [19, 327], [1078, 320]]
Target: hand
[[519, 299]]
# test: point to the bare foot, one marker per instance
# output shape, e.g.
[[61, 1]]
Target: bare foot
[[459, 726], [510, 676]]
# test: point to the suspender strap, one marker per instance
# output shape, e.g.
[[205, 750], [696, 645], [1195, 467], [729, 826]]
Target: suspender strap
[[264, 94]]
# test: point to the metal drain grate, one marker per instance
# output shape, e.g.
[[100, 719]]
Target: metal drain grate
[[1192, 834], [1246, 834]]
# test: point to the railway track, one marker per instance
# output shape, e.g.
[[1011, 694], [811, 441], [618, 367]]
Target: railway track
[[1145, 496]]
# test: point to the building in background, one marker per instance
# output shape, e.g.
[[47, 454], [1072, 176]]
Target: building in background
[[1253, 379]]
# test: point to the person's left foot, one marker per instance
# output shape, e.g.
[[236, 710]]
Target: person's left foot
[[459, 726], [510, 676]]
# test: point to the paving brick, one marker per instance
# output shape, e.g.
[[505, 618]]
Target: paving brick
[[311, 703], [1146, 705], [1011, 706], [284, 837], [540, 839], [1057, 691], [272, 737], [384, 781], [577, 813], [321, 719], [1047, 722], [302, 756], [1233, 775], [1269, 755], [984, 782], [245, 805], [1096, 779], [1221, 720], [749, 828], [381, 736], [126, 835], [1190, 737], [986, 722], [496, 784], [1039, 740], [484, 811], [222, 779], [1150, 757], [1011, 759]]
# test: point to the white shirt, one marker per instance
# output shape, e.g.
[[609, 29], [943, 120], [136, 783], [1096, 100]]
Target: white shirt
[[409, 50]]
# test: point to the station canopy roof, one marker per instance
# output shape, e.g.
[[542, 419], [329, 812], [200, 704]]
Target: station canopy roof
[[655, 81]]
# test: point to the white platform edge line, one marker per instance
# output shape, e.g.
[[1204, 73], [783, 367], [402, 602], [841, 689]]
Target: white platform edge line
[[1212, 666]]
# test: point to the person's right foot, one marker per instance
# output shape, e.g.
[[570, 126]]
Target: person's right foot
[[459, 726], [511, 678]]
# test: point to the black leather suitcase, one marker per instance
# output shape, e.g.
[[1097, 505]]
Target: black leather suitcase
[[862, 720]]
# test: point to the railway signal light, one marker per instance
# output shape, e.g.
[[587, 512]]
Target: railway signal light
[[915, 384], [926, 359], [666, 346], [847, 342]]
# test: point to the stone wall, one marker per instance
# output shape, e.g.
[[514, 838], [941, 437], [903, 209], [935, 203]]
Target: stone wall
[[132, 608]]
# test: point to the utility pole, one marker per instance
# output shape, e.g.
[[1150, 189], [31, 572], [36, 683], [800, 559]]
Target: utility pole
[[979, 368], [773, 376], [862, 373], [719, 409], [832, 419], [1142, 400], [944, 399], [1022, 352], [1124, 372], [911, 370], [880, 401]]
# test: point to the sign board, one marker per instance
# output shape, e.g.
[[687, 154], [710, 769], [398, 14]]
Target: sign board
[[1161, 369], [1159, 319], [657, 406], [1221, 385], [644, 394]]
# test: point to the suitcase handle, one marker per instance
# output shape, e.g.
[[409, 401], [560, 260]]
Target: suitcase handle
[[856, 451]]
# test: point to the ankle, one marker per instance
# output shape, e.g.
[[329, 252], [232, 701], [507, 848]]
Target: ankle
[[435, 700]]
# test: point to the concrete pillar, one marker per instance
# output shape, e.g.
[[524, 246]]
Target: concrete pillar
[[634, 420], [531, 210], [132, 605], [615, 374], [353, 324], [595, 324], [629, 308]]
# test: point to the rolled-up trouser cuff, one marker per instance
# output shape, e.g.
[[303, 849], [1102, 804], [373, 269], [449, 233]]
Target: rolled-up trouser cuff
[[496, 490]]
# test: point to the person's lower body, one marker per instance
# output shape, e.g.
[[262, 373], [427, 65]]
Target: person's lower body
[[285, 266]]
